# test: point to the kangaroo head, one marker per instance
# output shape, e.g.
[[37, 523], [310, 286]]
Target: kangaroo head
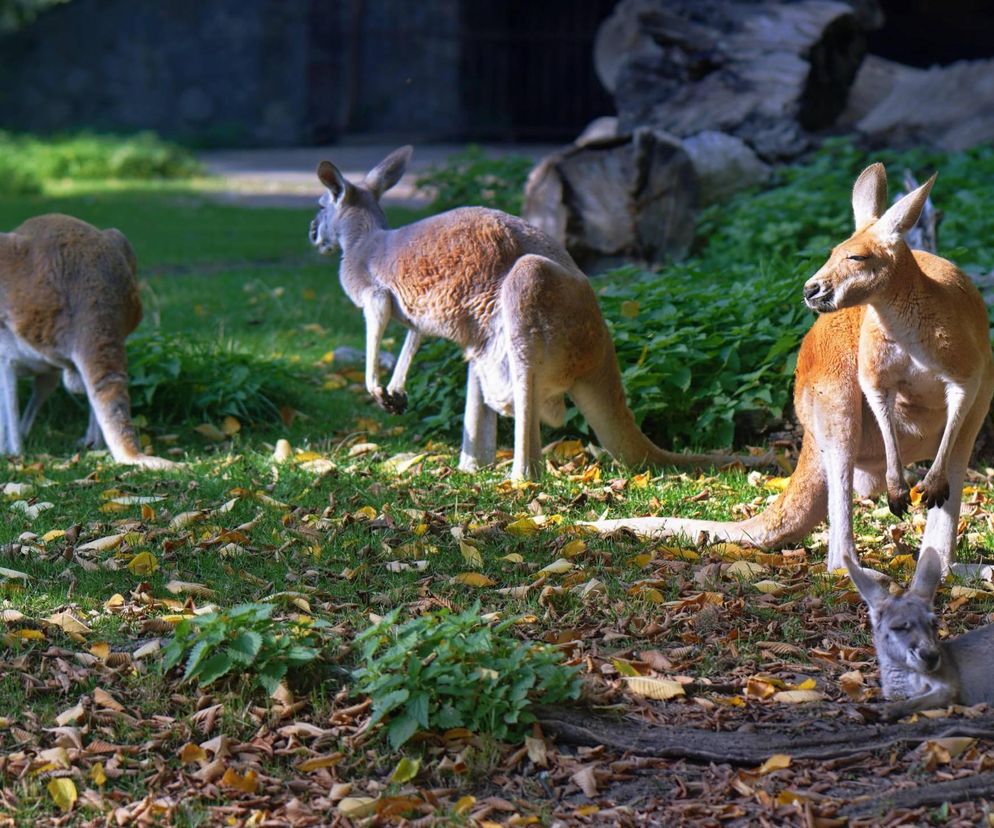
[[865, 264], [904, 626], [349, 209]]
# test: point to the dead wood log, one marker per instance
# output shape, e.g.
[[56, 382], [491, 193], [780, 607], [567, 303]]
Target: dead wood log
[[978, 786], [815, 738], [626, 197], [766, 72]]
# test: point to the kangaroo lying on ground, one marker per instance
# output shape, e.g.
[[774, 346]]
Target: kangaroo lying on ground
[[898, 369], [523, 313], [68, 300], [915, 666]]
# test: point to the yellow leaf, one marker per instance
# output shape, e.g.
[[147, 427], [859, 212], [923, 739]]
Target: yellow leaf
[[357, 807], [958, 591], [186, 518], [249, 783], [758, 688], [557, 567], [464, 805], [778, 761], [365, 513], [798, 696], [198, 590], [191, 753], [102, 544], [777, 484], [642, 560], [647, 593], [512, 557], [586, 810], [624, 668], [29, 635], [116, 601], [641, 481], [473, 579], [524, 526], [63, 792], [567, 449], [745, 569], [101, 649], [230, 425], [71, 715], [470, 554], [52, 534], [789, 797], [405, 771], [363, 448], [97, 775], [629, 309], [655, 688], [574, 548], [144, 563], [807, 684], [770, 587], [211, 432], [148, 513], [318, 762], [916, 495]]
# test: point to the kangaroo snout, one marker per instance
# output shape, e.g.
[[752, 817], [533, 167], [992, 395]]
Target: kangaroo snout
[[819, 296], [929, 657]]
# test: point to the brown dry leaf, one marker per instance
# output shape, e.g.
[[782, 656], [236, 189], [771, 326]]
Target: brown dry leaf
[[101, 698], [197, 590], [191, 753], [67, 622], [758, 688], [186, 518], [230, 425], [211, 432], [585, 780], [852, 684], [70, 715], [104, 544], [747, 570], [537, 751], [654, 688], [318, 762]]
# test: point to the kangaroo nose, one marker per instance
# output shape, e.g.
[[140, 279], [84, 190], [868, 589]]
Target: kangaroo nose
[[931, 658], [812, 290]]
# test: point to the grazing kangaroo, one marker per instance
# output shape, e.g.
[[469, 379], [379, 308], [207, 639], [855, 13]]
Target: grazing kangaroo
[[915, 666], [68, 300], [509, 296], [898, 369]]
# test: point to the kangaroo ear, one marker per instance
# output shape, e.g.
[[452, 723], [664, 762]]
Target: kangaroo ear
[[869, 195], [928, 574], [873, 586], [388, 172], [903, 215], [329, 175]]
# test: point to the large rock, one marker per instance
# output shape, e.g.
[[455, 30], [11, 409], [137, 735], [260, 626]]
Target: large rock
[[766, 72], [624, 197]]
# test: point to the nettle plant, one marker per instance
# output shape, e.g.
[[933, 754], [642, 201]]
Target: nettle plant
[[445, 670], [244, 640]]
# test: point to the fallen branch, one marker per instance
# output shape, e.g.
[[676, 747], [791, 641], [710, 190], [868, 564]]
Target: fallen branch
[[812, 739], [978, 786]]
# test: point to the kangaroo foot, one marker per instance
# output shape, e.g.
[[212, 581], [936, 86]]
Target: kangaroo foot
[[149, 461], [899, 499], [934, 489], [394, 402]]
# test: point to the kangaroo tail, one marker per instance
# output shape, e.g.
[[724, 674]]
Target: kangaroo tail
[[795, 512], [600, 398]]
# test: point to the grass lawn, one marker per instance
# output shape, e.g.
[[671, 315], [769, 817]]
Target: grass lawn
[[367, 515]]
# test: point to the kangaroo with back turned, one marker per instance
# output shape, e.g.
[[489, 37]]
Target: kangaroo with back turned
[[917, 669], [897, 369], [509, 296], [68, 300]]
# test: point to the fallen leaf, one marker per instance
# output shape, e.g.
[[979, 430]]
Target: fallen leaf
[[405, 770], [778, 761], [798, 696], [654, 688], [63, 793], [473, 579], [357, 807]]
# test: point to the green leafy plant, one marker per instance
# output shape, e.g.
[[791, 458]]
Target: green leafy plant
[[472, 177], [30, 161], [445, 670], [244, 640], [174, 379]]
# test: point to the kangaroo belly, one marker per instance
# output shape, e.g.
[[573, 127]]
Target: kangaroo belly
[[494, 372], [27, 359]]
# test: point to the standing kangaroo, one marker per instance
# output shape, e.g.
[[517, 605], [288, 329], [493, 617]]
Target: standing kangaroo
[[898, 369], [68, 300], [915, 666], [509, 296]]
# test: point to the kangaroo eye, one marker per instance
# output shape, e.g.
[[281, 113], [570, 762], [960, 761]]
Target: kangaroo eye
[[857, 258], [900, 628]]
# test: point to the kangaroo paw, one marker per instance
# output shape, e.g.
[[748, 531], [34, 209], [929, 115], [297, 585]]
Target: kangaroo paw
[[899, 500], [935, 490], [394, 402], [148, 461], [894, 711]]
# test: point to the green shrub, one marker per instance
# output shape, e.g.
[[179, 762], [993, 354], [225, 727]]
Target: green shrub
[[707, 346], [472, 177], [444, 670], [89, 157], [244, 640], [175, 379]]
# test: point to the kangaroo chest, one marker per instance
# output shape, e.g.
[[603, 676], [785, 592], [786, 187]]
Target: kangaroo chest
[[899, 365]]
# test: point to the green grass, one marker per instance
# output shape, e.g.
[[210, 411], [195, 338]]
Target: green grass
[[343, 537]]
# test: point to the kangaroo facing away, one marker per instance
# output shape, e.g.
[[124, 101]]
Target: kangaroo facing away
[[916, 667], [898, 369], [68, 300], [509, 296]]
